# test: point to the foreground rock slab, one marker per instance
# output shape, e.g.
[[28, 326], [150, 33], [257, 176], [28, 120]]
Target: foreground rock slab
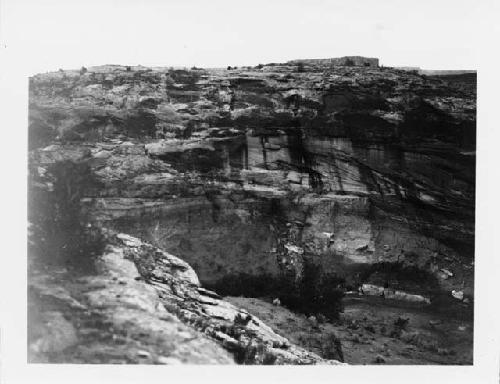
[[144, 305]]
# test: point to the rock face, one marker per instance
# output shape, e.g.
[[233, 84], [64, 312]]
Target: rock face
[[260, 170]]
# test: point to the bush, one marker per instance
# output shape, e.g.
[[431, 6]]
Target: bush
[[331, 348], [251, 354], [60, 232], [315, 293], [300, 67], [244, 284]]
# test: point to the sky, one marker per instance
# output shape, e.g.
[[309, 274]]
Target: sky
[[53, 34]]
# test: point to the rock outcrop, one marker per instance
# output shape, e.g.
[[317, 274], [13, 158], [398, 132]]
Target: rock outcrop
[[144, 305]]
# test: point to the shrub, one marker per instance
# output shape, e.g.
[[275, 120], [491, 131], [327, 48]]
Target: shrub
[[60, 232], [139, 124], [331, 348], [300, 67], [249, 354], [401, 323], [315, 293], [83, 70], [243, 284]]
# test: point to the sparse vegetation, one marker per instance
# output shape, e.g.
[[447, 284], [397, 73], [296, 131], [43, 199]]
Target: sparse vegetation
[[59, 230], [254, 353], [331, 347], [243, 284], [315, 293]]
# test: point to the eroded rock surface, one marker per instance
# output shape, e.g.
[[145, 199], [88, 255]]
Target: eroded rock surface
[[144, 305]]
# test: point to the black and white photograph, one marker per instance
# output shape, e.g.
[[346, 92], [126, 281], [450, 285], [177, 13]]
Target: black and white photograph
[[279, 183]]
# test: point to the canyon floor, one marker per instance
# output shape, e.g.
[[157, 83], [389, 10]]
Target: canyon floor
[[367, 332]]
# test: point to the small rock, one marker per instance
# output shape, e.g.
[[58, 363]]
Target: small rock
[[466, 301], [168, 360], [462, 328], [447, 272], [459, 295], [441, 275], [435, 322], [144, 354], [294, 177], [294, 249], [277, 302], [272, 146]]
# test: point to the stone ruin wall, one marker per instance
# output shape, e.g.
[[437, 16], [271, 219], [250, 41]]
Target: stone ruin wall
[[357, 61]]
